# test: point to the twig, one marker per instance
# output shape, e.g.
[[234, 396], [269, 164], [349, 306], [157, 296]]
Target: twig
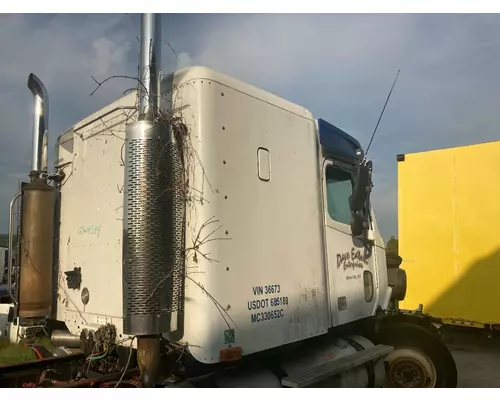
[[203, 226], [158, 285], [109, 129], [171, 48], [213, 239], [132, 25], [128, 363], [220, 308], [121, 155], [99, 84], [205, 239], [204, 255]]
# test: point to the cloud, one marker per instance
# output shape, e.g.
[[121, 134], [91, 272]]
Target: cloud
[[339, 66], [107, 55], [291, 50], [64, 52], [184, 60]]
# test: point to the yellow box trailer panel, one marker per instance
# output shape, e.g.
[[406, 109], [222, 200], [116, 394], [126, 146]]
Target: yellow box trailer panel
[[448, 214]]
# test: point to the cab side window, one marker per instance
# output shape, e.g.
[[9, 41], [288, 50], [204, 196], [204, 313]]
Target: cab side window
[[338, 189]]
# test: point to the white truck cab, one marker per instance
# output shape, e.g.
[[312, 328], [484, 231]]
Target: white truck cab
[[212, 221], [269, 189]]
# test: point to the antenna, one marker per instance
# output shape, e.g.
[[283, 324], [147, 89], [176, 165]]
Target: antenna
[[381, 114]]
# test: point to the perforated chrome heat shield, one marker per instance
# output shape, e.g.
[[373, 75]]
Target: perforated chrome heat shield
[[154, 233], [176, 200]]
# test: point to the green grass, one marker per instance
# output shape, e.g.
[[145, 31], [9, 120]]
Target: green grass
[[13, 353], [45, 342]]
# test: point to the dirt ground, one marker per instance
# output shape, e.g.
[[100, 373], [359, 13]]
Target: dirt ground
[[478, 361]]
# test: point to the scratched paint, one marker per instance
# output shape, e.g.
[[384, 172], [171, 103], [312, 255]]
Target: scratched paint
[[91, 230]]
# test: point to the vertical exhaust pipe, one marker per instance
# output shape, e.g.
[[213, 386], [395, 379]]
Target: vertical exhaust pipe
[[150, 65], [145, 207], [37, 218], [150, 287], [40, 123]]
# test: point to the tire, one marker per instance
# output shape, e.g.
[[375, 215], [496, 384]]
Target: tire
[[419, 359]]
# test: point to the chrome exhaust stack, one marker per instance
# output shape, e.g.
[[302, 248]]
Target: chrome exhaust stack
[[148, 289], [145, 207], [40, 124], [150, 66]]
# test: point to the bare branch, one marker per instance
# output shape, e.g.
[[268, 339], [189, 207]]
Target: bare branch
[[158, 285], [110, 130], [190, 165], [222, 310], [132, 25], [121, 155], [171, 48], [99, 84]]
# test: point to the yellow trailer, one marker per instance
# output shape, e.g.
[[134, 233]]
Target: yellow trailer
[[448, 212]]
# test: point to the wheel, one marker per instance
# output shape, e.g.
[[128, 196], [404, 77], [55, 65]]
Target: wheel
[[419, 359], [409, 368]]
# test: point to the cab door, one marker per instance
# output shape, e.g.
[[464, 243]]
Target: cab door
[[351, 263]]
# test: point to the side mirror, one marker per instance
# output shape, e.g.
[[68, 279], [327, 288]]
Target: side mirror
[[357, 224], [362, 187]]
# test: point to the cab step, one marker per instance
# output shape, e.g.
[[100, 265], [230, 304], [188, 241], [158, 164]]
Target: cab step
[[335, 366]]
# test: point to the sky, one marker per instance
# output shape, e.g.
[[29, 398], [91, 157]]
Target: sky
[[339, 66]]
